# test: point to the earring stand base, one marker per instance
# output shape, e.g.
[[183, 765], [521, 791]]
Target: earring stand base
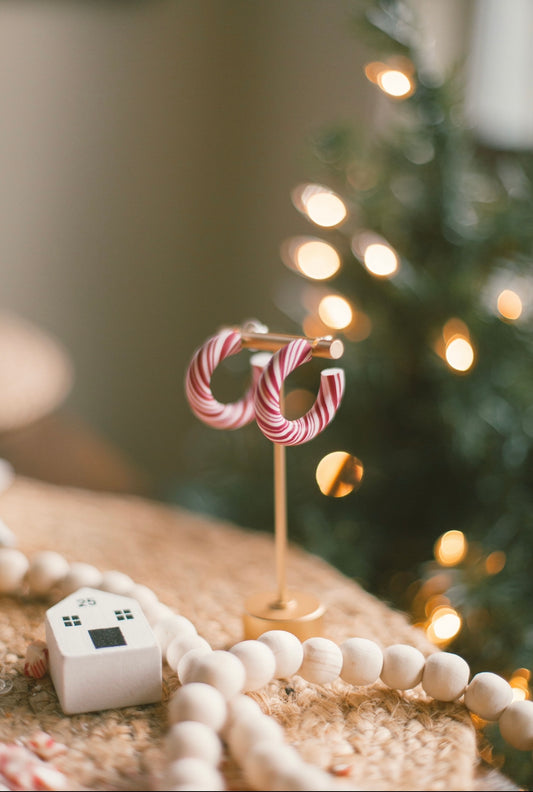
[[301, 614]]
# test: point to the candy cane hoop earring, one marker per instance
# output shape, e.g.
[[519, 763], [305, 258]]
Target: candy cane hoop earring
[[268, 413], [198, 383]]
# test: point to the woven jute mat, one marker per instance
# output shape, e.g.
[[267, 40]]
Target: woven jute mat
[[204, 569]]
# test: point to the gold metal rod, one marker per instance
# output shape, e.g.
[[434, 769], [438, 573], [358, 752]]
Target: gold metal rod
[[280, 527], [280, 519], [326, 347]]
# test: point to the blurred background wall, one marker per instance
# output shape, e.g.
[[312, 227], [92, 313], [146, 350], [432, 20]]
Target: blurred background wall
[[147, 153]]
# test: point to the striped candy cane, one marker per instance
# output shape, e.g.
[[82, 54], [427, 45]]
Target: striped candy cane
[[198, 384], [268, 413], [21, 769]]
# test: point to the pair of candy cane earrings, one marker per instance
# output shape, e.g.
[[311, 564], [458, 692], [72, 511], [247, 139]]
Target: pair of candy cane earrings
[[263, 398]]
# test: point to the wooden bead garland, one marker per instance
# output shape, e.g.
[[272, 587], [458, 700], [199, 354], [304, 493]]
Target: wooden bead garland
[[258, 661], [193, 738], [167, 628], [211, 708], [488, 695], [221, 669], [445, 676], [516, 725], [180, 645], [186, 663], [241, 706], [199, 702], [45, 571], [403, 667], [246, 732], [322, 661], [287, 650], [13, 568], [192, 773], [79, 575], [362, 661]]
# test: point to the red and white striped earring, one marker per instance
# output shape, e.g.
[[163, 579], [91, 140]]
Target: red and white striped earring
[[268, 412], [198, 383]]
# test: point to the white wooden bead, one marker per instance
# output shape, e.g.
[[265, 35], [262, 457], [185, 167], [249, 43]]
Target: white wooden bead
[[182, 644], [7, 537], [80, 575], [156, 611], [13, 567], [488, 695], [171, 626], [258, 661], [116, 582], [516, 725], [198, 702], [241, 707], [192, 738], [403, 666], [245, 733], [219, 668], [362, 661], [287, 649], [265, 761], [187, 661], [46, 570], [144, 595], [192, 773], [322, 661], [445, 676]]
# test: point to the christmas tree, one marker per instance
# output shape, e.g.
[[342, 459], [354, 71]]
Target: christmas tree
[[419, 257]]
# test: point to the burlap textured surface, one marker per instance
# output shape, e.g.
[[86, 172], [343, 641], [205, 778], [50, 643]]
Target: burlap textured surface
[[205, 569]]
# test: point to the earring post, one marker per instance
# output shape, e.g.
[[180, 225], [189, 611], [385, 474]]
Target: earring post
[[325, 347]]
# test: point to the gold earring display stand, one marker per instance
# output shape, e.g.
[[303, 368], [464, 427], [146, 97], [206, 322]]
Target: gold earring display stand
[[302, 615], [297, 612]]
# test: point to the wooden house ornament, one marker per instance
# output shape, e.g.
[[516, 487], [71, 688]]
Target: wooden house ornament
[[103, 653]]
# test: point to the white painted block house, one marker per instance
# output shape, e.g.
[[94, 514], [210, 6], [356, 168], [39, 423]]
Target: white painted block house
[[103, 653]]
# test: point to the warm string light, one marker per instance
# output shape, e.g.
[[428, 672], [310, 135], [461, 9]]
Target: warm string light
[[339, 473], [495, 562], [327, 311], [509, 295], [451, 548], [360, 328], [320, 205], [313, 327], [454, 345], [509, 305], [379, 258], [443, 622], [520, 684], [395, 78], [460, 354], [335, 311], [311, 257], [317, 260]]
